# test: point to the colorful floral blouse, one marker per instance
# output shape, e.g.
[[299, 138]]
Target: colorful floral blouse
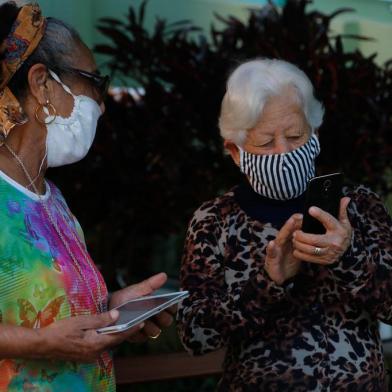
[[39, 284], [318, 332]]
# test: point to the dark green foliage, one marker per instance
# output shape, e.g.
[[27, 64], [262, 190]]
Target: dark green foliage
[[157, 158]]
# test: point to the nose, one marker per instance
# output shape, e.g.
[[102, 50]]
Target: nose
[[282, 146]]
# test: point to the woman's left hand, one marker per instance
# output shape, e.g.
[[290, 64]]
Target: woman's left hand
[[152, 327], [325, 248]]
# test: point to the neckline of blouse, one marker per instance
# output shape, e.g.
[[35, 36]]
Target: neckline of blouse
[[24, 190]]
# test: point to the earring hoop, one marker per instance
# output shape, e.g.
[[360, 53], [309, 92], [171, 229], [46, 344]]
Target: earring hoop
[[52, 112]]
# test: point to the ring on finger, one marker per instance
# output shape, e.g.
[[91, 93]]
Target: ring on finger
[[317, 251], [155, 336]]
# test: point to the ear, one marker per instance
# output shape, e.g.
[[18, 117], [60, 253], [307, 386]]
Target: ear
[[233, 151], [39, 84]]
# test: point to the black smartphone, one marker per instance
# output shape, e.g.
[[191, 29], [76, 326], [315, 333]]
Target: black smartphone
[[324, 192]]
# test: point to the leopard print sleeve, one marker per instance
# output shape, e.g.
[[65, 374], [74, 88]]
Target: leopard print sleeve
[[365, 270], [221, 305]]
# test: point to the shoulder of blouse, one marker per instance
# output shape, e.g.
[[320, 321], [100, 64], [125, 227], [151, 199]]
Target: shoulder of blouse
[[362, 195], [367, 207], [218, 208]]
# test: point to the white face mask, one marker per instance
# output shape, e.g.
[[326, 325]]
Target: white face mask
[[69, 139]]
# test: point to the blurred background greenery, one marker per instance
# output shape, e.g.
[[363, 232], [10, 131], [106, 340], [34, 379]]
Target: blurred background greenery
[[372, 17]]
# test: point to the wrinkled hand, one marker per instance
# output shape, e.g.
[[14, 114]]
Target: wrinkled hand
[[280, 263], [332, 244], [76, 339], [153, 326]]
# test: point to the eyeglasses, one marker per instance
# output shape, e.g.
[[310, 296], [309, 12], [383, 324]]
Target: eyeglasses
[[100, 82]]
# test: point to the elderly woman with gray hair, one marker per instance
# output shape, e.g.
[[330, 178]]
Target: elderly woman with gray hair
[[296, 311]]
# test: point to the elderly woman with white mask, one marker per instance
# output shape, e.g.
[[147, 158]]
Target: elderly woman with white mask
[[296, 311]]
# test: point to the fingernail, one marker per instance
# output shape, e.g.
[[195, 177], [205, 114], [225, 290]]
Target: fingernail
[[114, 314], [141, 326]]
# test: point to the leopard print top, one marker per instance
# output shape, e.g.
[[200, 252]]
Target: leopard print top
[[319, 332]]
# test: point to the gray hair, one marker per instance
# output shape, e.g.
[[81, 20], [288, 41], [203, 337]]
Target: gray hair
[[251, 85]]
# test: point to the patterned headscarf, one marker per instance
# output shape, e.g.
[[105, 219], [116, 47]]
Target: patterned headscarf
[[25, 35]]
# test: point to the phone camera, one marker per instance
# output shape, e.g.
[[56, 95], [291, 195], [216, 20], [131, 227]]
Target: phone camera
[[327, 184]]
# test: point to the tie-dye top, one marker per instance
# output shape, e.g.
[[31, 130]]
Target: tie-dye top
[[39, 284]]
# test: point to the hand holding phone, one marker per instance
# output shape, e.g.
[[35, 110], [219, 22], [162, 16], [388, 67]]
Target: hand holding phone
[[330, 219], [325, 193]]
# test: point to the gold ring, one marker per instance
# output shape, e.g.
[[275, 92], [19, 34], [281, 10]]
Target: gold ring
[[155, 336], [317, 251]]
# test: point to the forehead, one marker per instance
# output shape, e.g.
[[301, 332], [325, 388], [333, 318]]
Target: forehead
[[281, 112]]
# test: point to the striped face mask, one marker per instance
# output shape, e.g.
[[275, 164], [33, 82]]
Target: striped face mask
[[281, 176]]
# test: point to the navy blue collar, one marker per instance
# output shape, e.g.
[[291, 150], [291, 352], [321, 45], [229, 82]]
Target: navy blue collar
[[267, 210]]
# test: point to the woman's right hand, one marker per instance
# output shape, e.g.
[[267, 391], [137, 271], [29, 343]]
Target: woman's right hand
[[280, 263], [76, 339]]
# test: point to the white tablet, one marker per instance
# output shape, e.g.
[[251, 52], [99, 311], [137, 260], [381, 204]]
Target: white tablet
[[140, 309]]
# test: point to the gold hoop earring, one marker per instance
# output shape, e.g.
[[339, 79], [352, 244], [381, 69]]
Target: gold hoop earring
[[52, 112]]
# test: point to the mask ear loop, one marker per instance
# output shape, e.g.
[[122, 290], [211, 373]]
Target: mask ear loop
[[242, 152], [240, 149], [58, 80], [67, 89]]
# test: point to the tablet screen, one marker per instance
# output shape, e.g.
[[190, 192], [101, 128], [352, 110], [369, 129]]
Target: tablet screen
[[134, 309], [138, 310]]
